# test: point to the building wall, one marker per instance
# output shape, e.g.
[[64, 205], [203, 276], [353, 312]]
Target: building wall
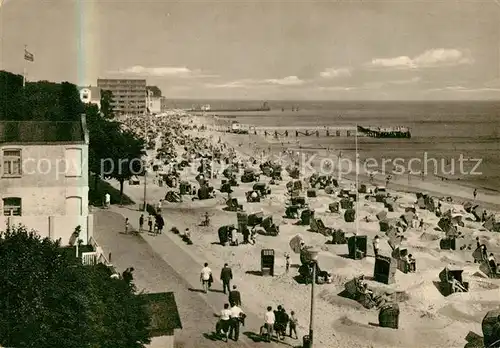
[[129, 95], [53, 185], [86, 96], [154, 105]]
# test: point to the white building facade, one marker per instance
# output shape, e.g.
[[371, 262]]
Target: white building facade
[[44, 178]]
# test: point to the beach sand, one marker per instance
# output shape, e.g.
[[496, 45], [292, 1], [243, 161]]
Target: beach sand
[[427, 318]]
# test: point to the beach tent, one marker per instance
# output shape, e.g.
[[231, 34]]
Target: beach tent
[[305, 216], [329, 190], [390, 204], [255, 219], [357, 246], [408, 217], [491, 329], [338, 237], [350, 215], [346, 203], [388, 316], [445, 277], [334, 207], [478, 213], [381, 215], [311, 193], [385, 269]]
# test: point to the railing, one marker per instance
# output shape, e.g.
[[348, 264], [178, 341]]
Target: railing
[[89, 258], [96, 256]]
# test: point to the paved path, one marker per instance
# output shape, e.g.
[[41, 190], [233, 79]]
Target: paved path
[[161, 265]]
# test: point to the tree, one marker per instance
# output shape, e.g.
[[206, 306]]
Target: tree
[[125, 158], [107, 104], [49, 299], [47, 101]]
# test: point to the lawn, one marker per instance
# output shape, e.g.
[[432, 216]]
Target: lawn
[[164, 314], [96, 196]]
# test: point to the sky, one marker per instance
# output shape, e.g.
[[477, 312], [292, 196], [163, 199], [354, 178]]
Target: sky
[[263, 50]]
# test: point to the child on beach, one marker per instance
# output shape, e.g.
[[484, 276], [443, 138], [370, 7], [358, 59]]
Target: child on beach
[[293, 324], [287, 264], [126, 225], [150, 224]]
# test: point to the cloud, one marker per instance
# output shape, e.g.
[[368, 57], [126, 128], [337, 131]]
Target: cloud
[[167, 71], [286, 81], [380, 84], [463, 89], [333, 73], [247, 83], [336, 88], [428, 59]]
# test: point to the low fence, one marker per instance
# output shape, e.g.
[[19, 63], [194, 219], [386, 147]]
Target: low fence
[[54, 227], [97, 256]]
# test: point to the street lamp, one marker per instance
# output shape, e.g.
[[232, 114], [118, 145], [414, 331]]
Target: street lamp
[[313, 258]]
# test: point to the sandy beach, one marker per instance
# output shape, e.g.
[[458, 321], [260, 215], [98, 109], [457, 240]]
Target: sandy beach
[[428, 319]]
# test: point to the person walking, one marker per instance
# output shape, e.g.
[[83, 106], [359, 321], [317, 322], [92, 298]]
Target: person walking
[[269, 320], [126, 225], [234, 297], [224, 322], [160, 223], [376, 245], [150, 223], [226, 275], [141, 222], [206, 274], [475, 194], [236, 320], [107, 200], [293, 324], [287, 264]]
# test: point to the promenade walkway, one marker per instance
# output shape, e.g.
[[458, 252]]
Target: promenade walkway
[[161, 265]]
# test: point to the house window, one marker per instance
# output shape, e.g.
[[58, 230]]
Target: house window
[[12, 206], [74, 162], [11, 162]]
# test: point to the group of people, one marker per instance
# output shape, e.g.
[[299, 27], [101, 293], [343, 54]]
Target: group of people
[[232, 316], [278, 321], [156, 223]]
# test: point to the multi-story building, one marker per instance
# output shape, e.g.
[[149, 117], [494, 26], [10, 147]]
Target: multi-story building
[[90, 94], [129, 95], [44, 178]]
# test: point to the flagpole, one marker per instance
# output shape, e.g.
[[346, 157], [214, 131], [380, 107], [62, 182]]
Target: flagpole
[[24, 68], [357, 182]]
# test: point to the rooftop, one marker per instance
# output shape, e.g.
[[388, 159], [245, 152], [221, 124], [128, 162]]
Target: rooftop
[[41, 132]]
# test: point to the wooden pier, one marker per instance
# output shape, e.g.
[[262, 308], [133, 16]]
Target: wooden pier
[[230, 126]]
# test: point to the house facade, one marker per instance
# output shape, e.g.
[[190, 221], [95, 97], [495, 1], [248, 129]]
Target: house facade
[[44, 178], [90, 95], [154, 103]]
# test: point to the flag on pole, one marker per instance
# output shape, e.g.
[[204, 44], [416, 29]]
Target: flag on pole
[[28, 56]]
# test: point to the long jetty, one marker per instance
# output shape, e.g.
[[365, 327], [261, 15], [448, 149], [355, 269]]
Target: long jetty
[[225, 125]]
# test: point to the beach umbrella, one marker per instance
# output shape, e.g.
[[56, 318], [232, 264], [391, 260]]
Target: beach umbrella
[[296, 243]]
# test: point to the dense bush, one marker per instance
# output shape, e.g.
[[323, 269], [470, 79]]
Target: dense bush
[[49, 299]]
